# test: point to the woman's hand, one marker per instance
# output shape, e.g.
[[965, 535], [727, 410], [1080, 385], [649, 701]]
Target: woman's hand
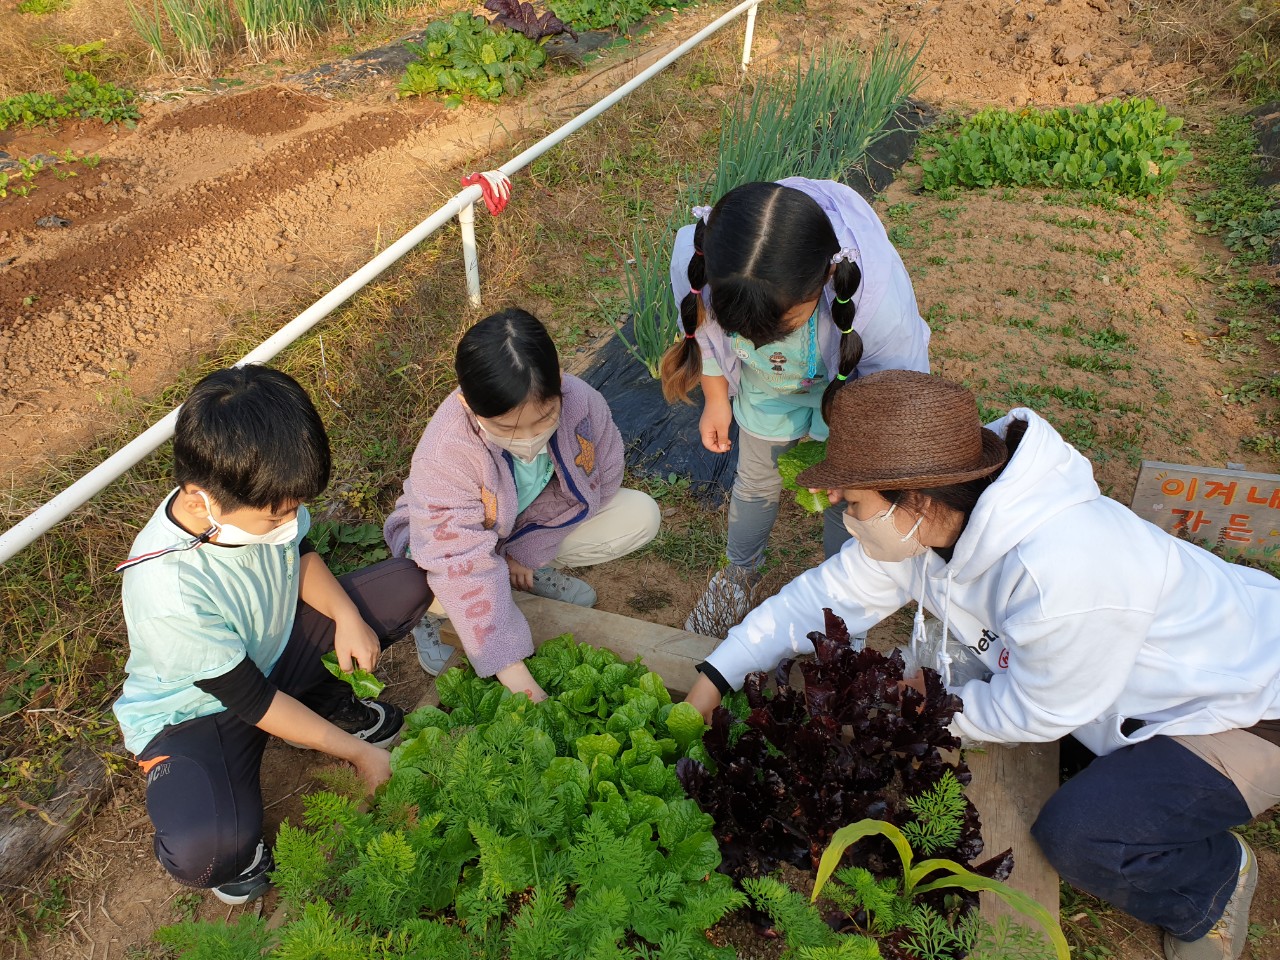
[[518, 679], [521, 576], [704, 696], [717, 418]]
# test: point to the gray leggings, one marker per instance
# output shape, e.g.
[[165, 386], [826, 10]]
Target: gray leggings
[[753, 508]]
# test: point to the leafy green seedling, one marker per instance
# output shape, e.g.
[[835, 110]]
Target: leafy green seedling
[[799, 458], [363, 683]]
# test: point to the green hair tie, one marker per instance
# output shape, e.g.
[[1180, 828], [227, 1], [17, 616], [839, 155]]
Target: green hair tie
[[842, 376], [845, 300], [845, 333]]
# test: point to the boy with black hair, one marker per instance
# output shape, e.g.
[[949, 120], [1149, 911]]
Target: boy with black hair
[[229, 611]]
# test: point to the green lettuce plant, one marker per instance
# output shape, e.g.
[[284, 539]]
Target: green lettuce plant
[[801, 457], [509, 829], [465, 55], [1129, 147]]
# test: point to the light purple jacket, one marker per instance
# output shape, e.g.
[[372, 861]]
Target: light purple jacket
[[458, 515], [894, 335]]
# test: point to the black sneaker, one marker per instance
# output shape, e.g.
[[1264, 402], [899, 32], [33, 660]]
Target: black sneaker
[[374, 721], [252, 883]]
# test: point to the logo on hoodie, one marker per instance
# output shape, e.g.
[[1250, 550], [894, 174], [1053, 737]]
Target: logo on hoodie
[[587, 458], [490, 501]]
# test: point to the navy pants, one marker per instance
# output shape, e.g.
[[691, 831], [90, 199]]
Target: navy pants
[[1146, 828], [203, 790]]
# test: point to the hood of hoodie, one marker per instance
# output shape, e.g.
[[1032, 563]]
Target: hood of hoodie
[[1045, 469]]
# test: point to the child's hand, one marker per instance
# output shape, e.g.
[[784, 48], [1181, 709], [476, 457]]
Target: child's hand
[[714, 426], [521, 576], [518, 679], [373, 767], [353, 640]]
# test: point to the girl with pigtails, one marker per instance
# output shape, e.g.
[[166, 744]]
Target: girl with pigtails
[[786, 290]]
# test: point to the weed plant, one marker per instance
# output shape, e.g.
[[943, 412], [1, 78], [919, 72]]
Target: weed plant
[[86, 98], [1234, 207]]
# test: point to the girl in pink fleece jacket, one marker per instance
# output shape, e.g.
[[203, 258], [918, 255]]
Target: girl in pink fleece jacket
[[519, 468]]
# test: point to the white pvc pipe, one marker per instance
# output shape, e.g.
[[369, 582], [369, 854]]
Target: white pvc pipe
[[44, 518], [470, 258], [750, 33], [26, 530]]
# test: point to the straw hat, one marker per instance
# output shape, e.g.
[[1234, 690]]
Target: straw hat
[[902, 430]]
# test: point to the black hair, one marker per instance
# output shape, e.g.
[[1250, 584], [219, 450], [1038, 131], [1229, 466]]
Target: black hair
[[504, 360], [962, 497], [764, 249], [251, 437]]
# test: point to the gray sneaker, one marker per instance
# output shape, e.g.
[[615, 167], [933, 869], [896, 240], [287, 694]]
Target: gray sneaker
[[551, 583], [1227, 939], [723, 604], [433, 653]]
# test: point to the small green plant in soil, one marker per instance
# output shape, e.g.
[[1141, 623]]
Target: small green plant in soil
[[86, 98], [42, 7], [1129, 147], [508, 830], [601, 14], [466, 56], [1234, 206], [348, 546]]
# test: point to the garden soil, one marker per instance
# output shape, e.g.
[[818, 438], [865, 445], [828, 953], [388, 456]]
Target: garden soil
[[219, 206]]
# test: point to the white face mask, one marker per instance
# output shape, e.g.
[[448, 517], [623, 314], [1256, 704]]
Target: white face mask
[[229, 535], [526, 450], [880, 538]]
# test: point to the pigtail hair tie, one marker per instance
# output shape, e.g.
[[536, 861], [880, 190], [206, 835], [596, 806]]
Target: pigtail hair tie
[[842, 377], [847, 299], [702, 213], [846, 332], [846, 255]]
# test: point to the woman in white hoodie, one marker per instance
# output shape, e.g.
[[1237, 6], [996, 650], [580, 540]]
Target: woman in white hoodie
[[1161, 658]]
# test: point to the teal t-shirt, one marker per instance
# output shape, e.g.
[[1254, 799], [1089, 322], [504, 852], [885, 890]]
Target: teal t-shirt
[[531, 479], [780, 387], [193, 615]]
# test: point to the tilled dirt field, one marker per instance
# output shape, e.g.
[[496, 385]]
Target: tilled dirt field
[[220, 205]]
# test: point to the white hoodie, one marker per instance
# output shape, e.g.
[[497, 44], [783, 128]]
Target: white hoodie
[[1087, 614]]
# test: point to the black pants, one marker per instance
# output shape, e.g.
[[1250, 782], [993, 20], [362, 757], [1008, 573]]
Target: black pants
[[203, 789]]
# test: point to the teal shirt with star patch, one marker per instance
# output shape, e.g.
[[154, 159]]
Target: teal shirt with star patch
[[780, 393]]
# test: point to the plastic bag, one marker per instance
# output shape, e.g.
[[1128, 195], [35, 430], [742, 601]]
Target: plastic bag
[[926, 651]]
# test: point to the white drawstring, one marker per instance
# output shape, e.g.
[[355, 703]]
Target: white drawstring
[[918, 632], [944, 658]]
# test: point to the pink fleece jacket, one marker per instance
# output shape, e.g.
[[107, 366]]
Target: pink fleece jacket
[[458, 515]]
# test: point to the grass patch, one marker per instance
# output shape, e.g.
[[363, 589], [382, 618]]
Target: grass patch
[[1233, 206]]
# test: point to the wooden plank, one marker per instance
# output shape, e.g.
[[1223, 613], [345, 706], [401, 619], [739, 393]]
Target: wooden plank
[[30, 836], [1009, 787]]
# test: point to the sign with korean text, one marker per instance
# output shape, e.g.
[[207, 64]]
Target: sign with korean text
[[1233, 509]]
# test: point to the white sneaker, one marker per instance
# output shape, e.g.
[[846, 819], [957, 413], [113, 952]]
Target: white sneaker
[[433, 653], [551, 583], [723, 604], [1226, 940]]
